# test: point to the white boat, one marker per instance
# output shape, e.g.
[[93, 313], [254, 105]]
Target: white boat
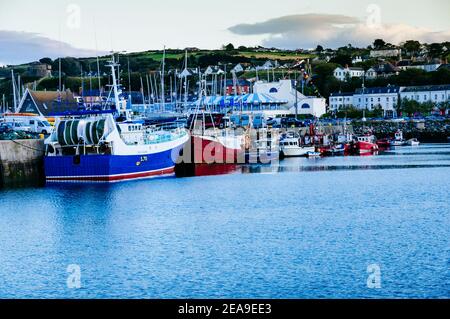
[[398, 140], [290, 146], [413, 142]]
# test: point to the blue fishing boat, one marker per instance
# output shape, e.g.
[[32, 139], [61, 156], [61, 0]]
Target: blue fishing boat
[[109, 146]]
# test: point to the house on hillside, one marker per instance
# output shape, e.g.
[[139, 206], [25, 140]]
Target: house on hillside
[[342, 74], [388, 53], [382, 70], [213, 70], [39, 70]]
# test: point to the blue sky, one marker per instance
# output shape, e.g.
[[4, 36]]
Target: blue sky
[[29, 30]]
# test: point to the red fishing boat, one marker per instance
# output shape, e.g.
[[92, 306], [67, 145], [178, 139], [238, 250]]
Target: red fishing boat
[[209, 144], [365, 144]]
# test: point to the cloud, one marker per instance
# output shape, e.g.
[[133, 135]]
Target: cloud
[[21, 47], [309, 30]]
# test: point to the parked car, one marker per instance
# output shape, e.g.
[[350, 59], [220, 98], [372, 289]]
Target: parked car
[[290, 122], [5, 128]]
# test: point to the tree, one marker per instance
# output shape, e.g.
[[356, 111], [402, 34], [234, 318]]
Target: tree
[[319, 49], [412, 47], [229, 47], [435, 50], [379, 44], [342, 59], [46, 61], [409, 107]]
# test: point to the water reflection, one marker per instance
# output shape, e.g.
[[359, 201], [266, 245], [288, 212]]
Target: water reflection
[[425, 156]]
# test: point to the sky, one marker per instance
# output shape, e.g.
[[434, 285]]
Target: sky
[[30, 29]]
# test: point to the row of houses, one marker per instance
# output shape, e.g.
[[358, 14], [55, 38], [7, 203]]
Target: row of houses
[[388, 97], [380, 70], [385, 69]]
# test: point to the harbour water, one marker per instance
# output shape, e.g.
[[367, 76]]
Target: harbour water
[[303, 228]]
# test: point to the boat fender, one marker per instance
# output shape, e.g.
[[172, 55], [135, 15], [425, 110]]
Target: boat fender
[[247, 142]]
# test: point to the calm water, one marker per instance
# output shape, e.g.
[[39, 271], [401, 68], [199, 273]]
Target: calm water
[[306, 228]]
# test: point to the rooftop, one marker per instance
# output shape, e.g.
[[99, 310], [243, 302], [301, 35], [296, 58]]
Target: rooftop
[[425, 88], [379, 90]]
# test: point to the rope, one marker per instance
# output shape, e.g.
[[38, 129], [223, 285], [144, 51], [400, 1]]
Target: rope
[[29, 147]]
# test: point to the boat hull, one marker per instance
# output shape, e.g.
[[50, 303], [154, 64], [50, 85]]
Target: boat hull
[[296, 151], [110, 168], [206, 150], [364, 147]]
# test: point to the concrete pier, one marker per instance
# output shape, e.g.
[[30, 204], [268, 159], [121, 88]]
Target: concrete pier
[[21, 162]]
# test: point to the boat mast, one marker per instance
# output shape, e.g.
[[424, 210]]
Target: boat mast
[[14, 90], [121, 107], [162, 80], [185, 72]]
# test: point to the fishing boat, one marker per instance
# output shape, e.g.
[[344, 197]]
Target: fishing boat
[[365, 144], [290, 146], [398, 139], [413, 142], [109, 146], [337, 149], [209, 144]]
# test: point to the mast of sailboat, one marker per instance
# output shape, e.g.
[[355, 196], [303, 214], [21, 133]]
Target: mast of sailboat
[[163, 105], [148, 90], [14, 91], [142, 92], [185, 72], [296, 95]]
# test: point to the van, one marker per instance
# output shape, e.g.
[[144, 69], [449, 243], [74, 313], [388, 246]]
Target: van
[[37, 124]]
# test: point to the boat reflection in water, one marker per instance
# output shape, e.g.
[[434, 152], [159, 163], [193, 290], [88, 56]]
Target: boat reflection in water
[[206, 170]]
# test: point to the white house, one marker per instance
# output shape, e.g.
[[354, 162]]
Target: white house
[[388, 53], [385, 97], [357, 59], [340, 100], [213, 70], [284, 90], [432, 93], [426, 67], [343, 74], [238, 68], [371, 74]]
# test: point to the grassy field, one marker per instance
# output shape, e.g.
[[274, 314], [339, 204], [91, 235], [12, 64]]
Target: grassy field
[[281, 56]]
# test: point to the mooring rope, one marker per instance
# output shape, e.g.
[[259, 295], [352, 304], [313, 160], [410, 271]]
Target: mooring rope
[[29, 147]]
